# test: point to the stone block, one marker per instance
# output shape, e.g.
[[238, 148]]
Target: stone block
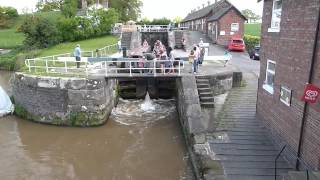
[[48, 82]]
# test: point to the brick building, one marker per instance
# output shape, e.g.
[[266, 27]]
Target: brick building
[[290, 59], [220, 21]]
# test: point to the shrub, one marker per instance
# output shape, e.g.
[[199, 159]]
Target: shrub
[[40, 32], [6, 15], [251, 41]]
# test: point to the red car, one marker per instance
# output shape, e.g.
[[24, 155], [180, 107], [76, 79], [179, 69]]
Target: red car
[[236, 44]]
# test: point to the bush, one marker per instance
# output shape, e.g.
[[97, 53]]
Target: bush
[[40, 32], [251, 41], [6, 15]]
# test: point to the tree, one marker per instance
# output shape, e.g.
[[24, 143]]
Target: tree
[[6, 15], [127, 9], [40, 32], [177, 20], [250, 15], [69, 8], [49, 5]]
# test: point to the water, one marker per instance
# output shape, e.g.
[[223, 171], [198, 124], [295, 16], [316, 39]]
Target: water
[[134, 145]]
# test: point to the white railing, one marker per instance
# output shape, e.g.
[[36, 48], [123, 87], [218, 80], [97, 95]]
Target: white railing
[[139, 67], [49, 62], [154, 28], [109, 66]]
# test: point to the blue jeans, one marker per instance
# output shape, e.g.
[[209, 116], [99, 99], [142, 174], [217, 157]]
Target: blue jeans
[[195, 65]]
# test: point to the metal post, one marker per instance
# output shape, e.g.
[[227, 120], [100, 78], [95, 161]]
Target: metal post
[[47, 69], [154, 68], [65, 65], [179, 68], [29, 65], [54, 63], [130, 68], [106, 68]]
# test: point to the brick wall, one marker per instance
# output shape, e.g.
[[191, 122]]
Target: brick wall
[[291, 49], [224, 24]]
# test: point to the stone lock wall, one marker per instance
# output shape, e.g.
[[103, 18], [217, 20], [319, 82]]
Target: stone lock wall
[[64, 101]]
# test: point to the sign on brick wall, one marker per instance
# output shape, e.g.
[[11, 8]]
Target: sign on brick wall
[[311, 94]]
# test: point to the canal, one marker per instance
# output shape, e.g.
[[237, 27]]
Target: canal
[[135, 144]]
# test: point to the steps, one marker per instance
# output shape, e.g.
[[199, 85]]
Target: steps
[[178, 35], [301, 175], [126, 40], [205, 93]]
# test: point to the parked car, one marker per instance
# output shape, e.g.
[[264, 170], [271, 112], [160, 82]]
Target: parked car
[[255, 53], [236, 44]]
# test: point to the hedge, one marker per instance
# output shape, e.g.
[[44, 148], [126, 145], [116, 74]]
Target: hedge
[[251, 41]]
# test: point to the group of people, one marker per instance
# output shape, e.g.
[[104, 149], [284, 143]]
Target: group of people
[[196, 57]]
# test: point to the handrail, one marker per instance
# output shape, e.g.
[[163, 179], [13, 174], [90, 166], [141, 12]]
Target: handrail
[[105, 64], [295, 157]]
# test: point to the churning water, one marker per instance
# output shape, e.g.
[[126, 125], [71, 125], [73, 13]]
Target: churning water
[[135, 144]]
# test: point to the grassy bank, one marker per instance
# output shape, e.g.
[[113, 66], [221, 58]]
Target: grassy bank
[[252, 29], [10, 38], [86, 45]]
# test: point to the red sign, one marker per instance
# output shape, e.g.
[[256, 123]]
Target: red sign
[[311, 94]]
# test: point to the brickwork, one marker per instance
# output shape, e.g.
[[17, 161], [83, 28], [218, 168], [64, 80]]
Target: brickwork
[[291, 49], [224, 24]]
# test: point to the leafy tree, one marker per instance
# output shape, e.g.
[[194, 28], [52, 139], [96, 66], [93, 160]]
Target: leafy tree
[[177, 20], [49, 5], [6, 15], [40, 32], [161, 21], [127, 9], [250, 15], [69, 8]]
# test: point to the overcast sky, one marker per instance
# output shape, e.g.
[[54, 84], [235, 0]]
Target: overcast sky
[[157, 8]]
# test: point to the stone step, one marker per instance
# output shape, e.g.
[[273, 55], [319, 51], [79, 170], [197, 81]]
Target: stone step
[[243, 146], [206, 99], [254, 171], [204, 90], [217, 142], [251, 177], [206, 94], [207, 104], [202, 85], [301, 175], [202, 80], [250, 158], [258, 165]]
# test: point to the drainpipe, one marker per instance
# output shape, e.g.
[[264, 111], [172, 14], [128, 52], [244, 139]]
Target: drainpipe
[[306, 106]]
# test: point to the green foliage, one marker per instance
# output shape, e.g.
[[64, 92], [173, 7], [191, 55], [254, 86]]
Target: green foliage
[[251, 41], [250, 15], [49, 5], [40, 32], [79, 28], [127, 9], [7, 14], [10, 38], [69, 8], [22, 112], [253, 29]]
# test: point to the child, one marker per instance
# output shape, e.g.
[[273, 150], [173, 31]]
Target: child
[[192, 56]]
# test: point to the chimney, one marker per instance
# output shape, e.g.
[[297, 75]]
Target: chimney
[[208, 3], [198, 7], [215, 1], [203, 5]]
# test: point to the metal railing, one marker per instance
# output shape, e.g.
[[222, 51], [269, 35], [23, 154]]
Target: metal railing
[[62, 60], [138, 67], [307, 168], [109, 66]]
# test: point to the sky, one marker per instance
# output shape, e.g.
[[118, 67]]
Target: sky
[[156, 8]]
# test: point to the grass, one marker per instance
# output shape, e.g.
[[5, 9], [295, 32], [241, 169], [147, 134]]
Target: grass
[[86, 45], [10, 38], [253, 29]]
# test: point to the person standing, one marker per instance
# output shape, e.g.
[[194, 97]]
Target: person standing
[[192, 56], [119, 46], [77, 54], [202, 53]]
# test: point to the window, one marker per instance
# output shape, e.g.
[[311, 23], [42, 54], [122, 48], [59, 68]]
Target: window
[[276, 16], [285, 95], [270, 75], [235, 27]]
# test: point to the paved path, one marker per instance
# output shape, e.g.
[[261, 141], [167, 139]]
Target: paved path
[[239, 141]]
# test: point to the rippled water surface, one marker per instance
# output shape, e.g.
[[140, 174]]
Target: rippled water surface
[[133, 145]]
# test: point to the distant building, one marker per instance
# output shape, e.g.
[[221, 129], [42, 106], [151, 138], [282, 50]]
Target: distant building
[[290, 59], [220, 21]]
